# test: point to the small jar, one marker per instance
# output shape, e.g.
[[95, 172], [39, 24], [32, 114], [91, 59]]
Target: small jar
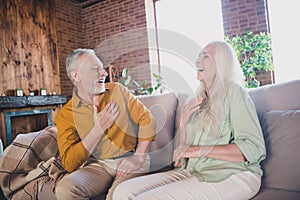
[[19, 92], [43, 91]]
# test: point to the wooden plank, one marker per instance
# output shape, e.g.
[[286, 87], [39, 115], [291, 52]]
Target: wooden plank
[[28, 55]]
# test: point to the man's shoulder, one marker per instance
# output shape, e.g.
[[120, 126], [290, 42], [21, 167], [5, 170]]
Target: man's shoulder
[[69, 103], [116, 87], [66, 108]]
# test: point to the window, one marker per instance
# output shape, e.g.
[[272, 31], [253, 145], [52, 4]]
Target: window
[[285, 32], [184, 27]]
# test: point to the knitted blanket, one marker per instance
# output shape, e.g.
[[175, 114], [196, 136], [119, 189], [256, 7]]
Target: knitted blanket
[[30, 161]]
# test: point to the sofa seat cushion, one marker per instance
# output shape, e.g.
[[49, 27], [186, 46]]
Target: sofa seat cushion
[[282, 136], [275, 194], [163, 108]]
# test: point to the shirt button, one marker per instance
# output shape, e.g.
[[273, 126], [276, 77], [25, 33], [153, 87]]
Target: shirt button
[[112, 142]]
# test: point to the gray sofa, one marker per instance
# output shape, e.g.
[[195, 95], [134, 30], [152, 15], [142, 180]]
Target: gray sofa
[[278, 108]]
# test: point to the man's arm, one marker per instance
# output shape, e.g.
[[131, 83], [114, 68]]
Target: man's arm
[[74, 151], [142, 117], [134, 162], [102, 121]]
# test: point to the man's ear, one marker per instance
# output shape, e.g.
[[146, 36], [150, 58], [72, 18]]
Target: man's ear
[[75, 75]]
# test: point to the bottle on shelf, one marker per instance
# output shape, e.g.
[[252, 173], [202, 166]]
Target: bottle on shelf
[[19, 92], [43, 91]]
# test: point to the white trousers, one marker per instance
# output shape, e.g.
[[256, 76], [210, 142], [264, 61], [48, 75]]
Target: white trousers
[[183, 186]]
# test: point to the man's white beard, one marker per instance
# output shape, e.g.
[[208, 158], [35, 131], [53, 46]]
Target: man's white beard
[[98, 90], [102, 89]]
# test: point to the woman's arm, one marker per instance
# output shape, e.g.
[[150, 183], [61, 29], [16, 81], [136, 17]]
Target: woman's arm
[[188, 110], [229, 152]]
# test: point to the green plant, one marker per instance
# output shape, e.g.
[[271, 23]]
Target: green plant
[[144, 88], [254, 52]]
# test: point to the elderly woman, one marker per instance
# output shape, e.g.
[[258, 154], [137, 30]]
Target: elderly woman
[[220, 141]]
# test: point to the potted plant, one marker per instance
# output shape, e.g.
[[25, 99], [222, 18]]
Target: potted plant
[[143, 88], [254, 53]]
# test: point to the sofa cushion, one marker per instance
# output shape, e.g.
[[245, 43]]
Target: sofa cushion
[[280, 96], [275, 194], [282, 136], [163, 108]]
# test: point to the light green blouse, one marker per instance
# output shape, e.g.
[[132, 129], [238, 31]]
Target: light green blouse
[[242, 127]]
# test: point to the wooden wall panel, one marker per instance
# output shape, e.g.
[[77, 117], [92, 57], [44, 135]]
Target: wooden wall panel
[[28, 55]]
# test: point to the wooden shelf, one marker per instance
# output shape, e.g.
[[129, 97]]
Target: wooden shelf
[[28, 101]]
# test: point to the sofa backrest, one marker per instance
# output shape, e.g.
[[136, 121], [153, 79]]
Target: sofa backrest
[[163, 107], [280, 96], [278, 108]]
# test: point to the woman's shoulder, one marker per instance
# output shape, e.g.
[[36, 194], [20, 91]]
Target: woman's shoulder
[[235, 88], [236, 92]]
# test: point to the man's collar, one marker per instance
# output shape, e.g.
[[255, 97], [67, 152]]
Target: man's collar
[[78, 102]]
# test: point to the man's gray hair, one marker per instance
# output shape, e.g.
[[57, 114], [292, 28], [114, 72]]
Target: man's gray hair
[[72, 60]]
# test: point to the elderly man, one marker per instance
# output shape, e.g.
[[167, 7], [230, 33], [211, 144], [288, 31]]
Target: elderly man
[[104, 132]]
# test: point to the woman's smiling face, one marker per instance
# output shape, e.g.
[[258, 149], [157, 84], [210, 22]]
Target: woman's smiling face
[[206, 66]]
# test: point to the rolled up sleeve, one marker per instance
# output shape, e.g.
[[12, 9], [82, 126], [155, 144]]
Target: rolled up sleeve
[[247, 131]]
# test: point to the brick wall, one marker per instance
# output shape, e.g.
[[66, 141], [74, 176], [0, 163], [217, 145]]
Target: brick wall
[[242, 16], [105, 25], [108, 27], [69, 36]]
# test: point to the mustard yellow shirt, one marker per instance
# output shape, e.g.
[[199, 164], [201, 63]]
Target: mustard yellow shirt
[[74, 121]]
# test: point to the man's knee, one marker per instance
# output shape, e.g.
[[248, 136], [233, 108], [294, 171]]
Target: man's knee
[[66, 189]]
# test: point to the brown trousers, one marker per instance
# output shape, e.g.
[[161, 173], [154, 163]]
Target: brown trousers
[[95, 180]]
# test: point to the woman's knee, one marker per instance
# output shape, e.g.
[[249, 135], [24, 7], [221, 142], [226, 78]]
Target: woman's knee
[[123, 191]]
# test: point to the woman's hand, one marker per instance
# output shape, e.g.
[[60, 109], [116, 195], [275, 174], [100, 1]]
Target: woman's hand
[[178, 154], [185, 151], [190, 108]]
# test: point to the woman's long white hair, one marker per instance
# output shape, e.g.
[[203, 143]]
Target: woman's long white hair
[[227, 64], [210, 118]]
